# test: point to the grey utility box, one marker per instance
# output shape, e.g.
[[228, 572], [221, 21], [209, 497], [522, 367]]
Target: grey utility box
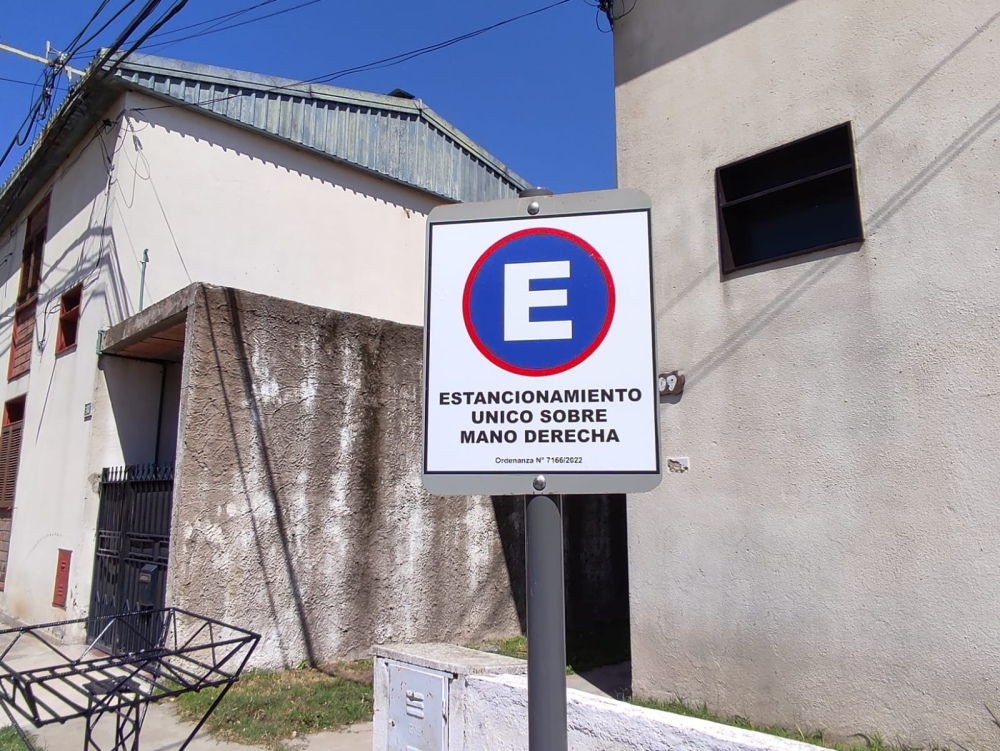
[[419, 693], [418, 708]]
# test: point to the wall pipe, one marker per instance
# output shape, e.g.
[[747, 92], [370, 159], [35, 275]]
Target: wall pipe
[[142, 276]]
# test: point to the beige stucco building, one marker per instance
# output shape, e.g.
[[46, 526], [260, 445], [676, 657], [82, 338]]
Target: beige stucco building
[[830, 558], [308, 193]]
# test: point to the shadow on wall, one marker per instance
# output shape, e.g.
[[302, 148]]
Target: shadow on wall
[[690, 24], [134, 392], [250, 401], [83, 180], [595, 560]]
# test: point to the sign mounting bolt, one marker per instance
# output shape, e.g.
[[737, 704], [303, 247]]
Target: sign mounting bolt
[[534, 208], [539, 483]]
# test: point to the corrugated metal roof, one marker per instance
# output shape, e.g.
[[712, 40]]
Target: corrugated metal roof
[[397, 138], [401, 139]]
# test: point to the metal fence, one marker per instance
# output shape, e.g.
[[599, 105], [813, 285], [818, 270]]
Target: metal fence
[[130, 560]]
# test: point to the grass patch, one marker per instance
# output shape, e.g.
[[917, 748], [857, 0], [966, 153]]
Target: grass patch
[[516, 646], [817, 738], [9, 740], [593, 648], [264, 707]]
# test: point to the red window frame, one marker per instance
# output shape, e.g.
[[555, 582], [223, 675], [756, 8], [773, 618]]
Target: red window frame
[[69, 319]]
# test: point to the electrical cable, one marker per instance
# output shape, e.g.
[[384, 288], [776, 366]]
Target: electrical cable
[[215, 20], [156, 26], [44, 98], [206, 32], [39, 109], [16, 140], [145, 12], [383, 63], [412, 54], [107, 23], [625, 13], [223, 17], [94, 17], [14, 80], [608, 8]]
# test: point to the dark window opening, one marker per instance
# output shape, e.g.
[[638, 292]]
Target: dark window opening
[[69, 319], [794, 199], [10, 459], [31, 257], [13, 411]]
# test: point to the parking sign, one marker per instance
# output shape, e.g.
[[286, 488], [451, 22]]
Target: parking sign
[[539, 347]]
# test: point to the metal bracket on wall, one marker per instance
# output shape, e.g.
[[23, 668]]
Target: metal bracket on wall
[[100, 342]]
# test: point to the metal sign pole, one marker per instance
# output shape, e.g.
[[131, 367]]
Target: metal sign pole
[[546, 623]]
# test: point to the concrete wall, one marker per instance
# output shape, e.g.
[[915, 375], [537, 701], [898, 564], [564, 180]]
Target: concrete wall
[[298, 508], [495, 718], [829, 559], [487, 710]]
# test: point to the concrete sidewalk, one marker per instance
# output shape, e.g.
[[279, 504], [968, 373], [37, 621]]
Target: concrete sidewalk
[[162, 729]]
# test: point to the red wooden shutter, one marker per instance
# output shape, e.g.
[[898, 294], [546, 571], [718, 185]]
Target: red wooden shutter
[[10, 458], [24, 336], [62, 578]]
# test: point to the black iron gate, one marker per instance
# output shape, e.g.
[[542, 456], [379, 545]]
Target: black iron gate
[[130, 560]]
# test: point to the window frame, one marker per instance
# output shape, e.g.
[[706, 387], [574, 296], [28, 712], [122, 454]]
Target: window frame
[[33, 253], [726, 259], [69, 316]]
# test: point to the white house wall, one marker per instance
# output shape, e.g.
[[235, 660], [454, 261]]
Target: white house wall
[[211, 203], [55, 504], [216, 203], [830, 558]]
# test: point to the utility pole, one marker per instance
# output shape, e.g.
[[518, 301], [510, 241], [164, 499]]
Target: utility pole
[[59, 59]]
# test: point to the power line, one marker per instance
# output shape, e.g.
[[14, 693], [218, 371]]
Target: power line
[[16, 140], [107, 23], [403, 57], [384, 62], [176, 8], [223, 17], [44, 98], [14, 80], [171, 42], [216, 20], [94, 17], [145, 12]]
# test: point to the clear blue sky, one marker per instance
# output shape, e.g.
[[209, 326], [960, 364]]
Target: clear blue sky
[[538, 93]]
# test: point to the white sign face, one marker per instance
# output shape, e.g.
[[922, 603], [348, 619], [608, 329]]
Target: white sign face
[[540, 349]]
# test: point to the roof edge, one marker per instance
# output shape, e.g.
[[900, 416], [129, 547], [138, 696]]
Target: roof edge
[[155, 64], [87, 102]]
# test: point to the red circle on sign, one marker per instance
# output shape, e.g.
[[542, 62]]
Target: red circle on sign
[[562, 368]]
